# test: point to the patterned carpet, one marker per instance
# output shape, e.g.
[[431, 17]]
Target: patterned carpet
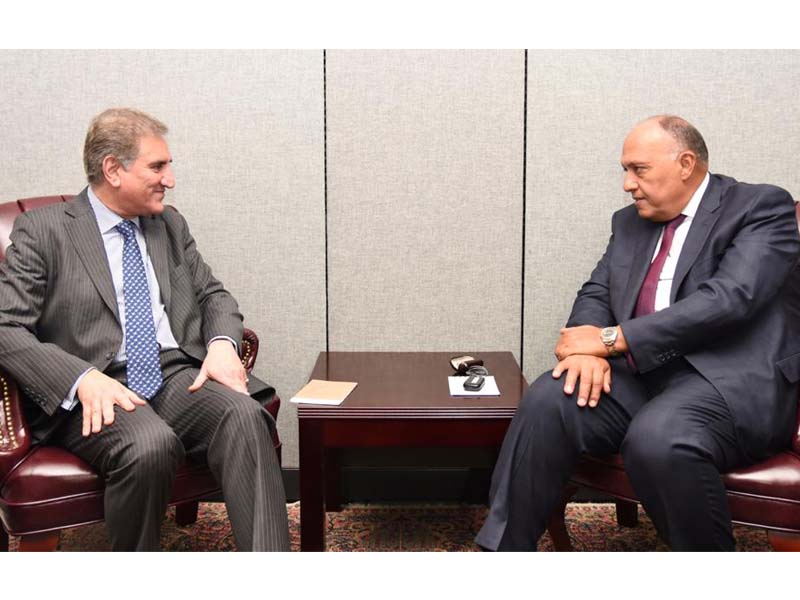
[[404, 527]]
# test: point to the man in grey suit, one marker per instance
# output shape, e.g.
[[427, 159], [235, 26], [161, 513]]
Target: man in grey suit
[[126, 345], [679, 352]]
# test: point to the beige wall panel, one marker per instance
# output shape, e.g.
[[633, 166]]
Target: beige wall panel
[[246, 133], [425, 199], [581, 105]]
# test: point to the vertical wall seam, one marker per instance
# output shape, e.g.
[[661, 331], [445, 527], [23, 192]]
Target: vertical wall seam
[[524, 213], [325, 186]]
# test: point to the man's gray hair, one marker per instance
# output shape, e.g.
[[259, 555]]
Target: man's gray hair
[[116, 132], [685, 134]]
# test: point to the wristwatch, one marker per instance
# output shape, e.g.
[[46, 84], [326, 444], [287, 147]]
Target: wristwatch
[[609, 337]]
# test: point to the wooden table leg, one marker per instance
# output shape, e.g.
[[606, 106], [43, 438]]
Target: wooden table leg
[[312, 487], [333, 495]]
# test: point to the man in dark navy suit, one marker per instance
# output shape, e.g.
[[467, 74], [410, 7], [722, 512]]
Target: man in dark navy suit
[[677, 353]]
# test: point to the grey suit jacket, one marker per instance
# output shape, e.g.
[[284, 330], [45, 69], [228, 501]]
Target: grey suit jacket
[[728, 315], [58, 309]]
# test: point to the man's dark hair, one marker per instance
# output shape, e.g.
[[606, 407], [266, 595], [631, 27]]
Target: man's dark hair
[[686, 135]]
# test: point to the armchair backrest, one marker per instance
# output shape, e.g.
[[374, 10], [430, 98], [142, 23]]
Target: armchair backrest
[[27, 204], [796, 438], [10, 210], [14, 438]]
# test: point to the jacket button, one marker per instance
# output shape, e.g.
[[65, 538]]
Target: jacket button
[[109, 355]]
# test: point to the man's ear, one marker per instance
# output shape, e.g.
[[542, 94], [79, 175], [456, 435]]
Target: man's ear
[[111, 168], [688, 161]]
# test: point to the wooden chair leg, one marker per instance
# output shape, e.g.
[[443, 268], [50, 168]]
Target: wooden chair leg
[[627, 513], [557, 527], [784, 542], [39, 542], [186, 513], [3, 539]]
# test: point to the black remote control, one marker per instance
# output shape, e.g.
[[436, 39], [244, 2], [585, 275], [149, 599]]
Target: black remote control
[[474, 383]]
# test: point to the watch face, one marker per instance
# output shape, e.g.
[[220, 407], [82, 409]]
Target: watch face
[[608, 335]]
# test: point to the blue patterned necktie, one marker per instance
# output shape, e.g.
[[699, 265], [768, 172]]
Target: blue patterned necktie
[[141, 346]]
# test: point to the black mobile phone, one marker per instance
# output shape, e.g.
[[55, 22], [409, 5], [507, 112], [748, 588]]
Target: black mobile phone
[[474, 383]]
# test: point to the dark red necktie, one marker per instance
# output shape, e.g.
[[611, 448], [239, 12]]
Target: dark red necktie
[[646, 302]]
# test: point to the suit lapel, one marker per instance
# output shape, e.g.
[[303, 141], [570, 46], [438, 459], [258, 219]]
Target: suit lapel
[[701, 226], [155, 235], [644, 247], [85, 237]]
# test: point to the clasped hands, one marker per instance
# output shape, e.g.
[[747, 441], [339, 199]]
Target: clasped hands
[[98, 393], [582, 354]]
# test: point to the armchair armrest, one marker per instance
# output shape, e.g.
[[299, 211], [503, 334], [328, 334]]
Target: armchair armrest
[[15, 441], [249, 349]]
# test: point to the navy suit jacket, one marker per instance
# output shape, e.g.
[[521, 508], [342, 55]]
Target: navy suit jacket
[[729, 315]]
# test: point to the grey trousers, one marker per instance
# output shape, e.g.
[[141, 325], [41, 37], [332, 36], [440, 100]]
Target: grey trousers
[[139, 453], [675, 442]]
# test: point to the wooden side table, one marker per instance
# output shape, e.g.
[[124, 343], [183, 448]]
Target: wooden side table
[[402, 400]]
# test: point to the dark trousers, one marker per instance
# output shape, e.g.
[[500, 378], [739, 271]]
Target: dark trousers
[[675, 442], [139, 453]]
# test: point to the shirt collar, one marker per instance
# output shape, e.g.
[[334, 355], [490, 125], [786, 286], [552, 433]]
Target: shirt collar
[[107, 219], [690, 209]]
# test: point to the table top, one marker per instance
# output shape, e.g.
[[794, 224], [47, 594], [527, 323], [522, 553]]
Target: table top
[[413, 385]]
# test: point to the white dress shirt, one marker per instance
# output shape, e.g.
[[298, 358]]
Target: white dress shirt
[[664, 288]]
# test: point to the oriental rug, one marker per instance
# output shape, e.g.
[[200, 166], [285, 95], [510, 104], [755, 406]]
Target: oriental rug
[[403, 528]]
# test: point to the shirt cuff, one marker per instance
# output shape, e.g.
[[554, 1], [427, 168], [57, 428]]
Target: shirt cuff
[[224, 337], [72, 399]]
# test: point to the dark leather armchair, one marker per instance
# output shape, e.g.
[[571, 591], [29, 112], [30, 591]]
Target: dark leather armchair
[[44, 489], [765, 495]]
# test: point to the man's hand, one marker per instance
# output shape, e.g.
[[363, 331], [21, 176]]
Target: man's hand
[[594, 374], [222, 365], [98, 393], [584, 339]]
